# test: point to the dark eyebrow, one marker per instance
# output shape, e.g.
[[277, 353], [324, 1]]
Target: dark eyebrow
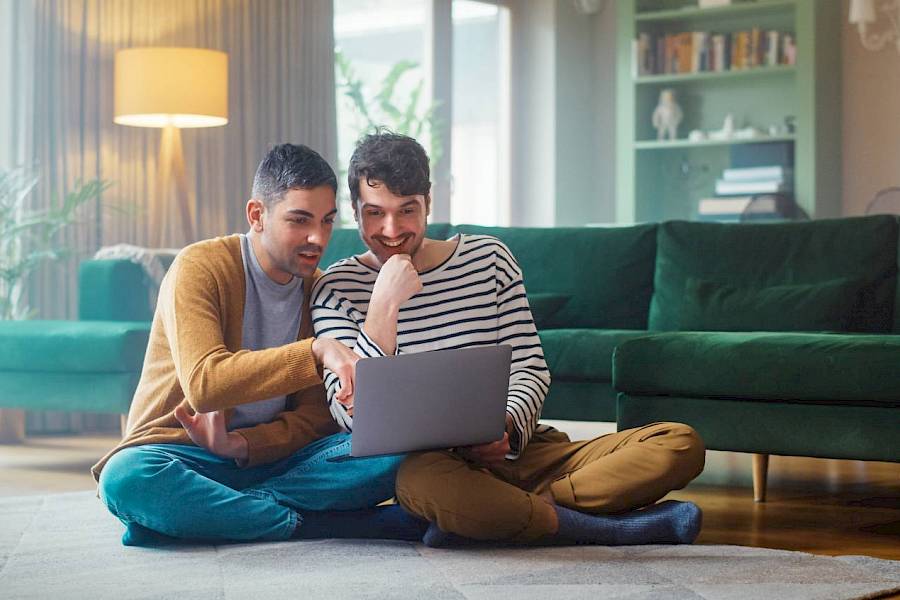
[[306, 213], [410, 202]]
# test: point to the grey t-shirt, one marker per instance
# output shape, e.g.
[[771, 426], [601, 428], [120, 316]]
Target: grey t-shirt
[[271, 318]]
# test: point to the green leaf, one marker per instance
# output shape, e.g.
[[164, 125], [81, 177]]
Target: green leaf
[[385, 96]]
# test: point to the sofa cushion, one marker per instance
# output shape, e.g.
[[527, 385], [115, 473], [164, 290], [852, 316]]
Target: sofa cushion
[[862, 249], [583, 354], [713, 306], [68, 391], [113, 290], [580, 401], [810, 367], [73, 346], [768, 427], [544, 305], [607, 272]]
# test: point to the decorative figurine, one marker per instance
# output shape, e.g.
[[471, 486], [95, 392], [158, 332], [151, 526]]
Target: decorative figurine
[[727, 131], [697, 135], [667, 115]]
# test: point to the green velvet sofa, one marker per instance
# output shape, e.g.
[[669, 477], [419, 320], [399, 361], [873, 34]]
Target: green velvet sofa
[[767, 338], [89, 365], [772, 339]]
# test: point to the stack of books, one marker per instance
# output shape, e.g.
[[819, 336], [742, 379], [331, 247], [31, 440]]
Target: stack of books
[[739, 186], [703, 51]]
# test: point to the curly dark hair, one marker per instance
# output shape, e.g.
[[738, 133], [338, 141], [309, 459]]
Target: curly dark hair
[[398, 161], [291, 167]]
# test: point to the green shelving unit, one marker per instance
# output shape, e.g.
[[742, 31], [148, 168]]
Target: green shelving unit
[[660, 180], [713, 76]]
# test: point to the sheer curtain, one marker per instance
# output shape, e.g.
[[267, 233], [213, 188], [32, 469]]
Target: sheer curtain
[[58, 116]]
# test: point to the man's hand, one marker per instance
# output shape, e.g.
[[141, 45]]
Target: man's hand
[[397, 282], [491, 453], [207, 430], [340, 360], [488, 454]]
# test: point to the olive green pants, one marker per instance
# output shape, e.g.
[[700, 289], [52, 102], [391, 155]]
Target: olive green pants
[[609, 474]]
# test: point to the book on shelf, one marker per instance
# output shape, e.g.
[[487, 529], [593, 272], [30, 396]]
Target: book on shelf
[[723, 206], [751, 186], [705, 51], [776, 172], [740, 208]]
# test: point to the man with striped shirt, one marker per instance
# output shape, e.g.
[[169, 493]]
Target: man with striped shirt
[[411, 294]]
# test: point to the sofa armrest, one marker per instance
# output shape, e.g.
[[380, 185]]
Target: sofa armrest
[[113, 290]]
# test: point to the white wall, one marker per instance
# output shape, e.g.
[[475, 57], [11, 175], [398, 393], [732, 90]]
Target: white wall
[[532, 119], [871, 120], [577, 115], [563, 113]]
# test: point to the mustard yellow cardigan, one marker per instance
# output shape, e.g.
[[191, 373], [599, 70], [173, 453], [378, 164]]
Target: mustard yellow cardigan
[[194, 355]]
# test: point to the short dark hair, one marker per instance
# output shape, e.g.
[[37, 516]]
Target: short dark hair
[[290, 167], [398, 161]]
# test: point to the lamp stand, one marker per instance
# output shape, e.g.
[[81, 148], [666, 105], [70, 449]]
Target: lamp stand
[[173, 195]]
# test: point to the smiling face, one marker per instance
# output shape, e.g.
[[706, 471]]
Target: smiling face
[[390, 224], [289, 235]]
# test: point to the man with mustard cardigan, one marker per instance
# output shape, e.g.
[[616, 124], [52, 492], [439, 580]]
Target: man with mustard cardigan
[[229, 436]]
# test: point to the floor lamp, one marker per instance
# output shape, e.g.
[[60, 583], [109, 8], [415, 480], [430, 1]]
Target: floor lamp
[[171, 89]]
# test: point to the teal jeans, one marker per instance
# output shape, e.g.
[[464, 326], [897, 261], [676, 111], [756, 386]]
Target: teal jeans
[[186, 492]]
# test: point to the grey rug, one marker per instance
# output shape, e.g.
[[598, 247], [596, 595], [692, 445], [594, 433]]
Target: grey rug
[[67, 546]]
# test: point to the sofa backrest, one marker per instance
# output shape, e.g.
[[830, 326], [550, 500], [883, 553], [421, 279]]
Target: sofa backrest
[[597, 277], [897, 289], [849, 263], [604, 274], [113, 290]]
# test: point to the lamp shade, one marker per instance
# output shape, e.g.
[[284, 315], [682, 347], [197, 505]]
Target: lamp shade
[[159, 87]]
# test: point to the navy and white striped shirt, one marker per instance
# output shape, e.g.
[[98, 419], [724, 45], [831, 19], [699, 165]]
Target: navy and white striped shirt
[[474, 298]]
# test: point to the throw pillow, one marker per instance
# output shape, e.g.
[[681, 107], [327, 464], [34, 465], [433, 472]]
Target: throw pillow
[[544, 305]]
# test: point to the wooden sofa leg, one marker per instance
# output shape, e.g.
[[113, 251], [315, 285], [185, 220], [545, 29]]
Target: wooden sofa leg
[[760, 471], [12, 426]]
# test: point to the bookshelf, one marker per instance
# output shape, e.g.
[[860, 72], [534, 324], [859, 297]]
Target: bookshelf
[[660, 180]]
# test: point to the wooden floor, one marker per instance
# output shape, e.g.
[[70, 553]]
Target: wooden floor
[[814, 505]]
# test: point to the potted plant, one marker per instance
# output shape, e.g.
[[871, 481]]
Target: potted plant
[[29, 237]]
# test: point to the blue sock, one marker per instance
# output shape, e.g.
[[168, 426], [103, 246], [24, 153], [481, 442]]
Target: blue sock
[[436, 537], [668, 522], [390, 522]]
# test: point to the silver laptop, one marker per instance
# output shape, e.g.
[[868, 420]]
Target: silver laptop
[[430, 400]]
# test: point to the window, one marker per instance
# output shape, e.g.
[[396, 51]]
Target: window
[[375, 38], [479, 169]]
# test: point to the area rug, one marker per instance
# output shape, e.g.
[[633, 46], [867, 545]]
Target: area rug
[[67, 546]]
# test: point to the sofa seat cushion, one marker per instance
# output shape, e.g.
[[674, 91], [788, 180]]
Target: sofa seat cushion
[[808, 367], [73, 346], [583, 354]]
